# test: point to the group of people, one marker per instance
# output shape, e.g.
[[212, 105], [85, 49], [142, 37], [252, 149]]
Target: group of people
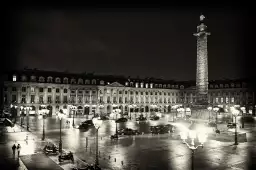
[[14, 147]]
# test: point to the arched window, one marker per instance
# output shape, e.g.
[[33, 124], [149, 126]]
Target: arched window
[[160, 85], [49, 79], [137, 85], [156, 85], [93, 81], [131, 84], [101, 82], [57, 80], [80, 81], [181, 87], [87, 81], [164, 86], [168, 86], [141, 85], [23, 78], [146, 85], [65, 80], [151, 85], [173, 86], [73, 81], [41, 79]]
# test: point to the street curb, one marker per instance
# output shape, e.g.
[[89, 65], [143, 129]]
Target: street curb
[[22, 165]]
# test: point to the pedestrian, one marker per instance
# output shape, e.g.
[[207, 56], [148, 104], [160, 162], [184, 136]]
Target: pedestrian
[[13, 149], [18, 148]]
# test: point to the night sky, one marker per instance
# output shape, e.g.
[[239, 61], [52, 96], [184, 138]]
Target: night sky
[[131, 42]]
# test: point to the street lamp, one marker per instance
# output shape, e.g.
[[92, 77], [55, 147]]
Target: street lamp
[[60, 116], [97, 123], [216, 109], [235, 113], [44, 113], [27, 108], [73, 108], [243, 111], [117, 111], [14, 114], [189, 136], [210, 109]]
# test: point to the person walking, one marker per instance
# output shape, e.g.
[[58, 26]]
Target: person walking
[[18, 148], [13, 149]]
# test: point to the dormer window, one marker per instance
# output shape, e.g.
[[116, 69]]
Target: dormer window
[[181, 87], [232, 85], [243, 84], [211, 86], [57, 80], [93, 81], [137, 85], [173, 86], [176, 86], [80, 81], [87, 81], [101, 82], [164, 86], [131, 84], [73, 81], [237, 85], [226, 86], [221, 85], [14, 78], [151, 85], [160, 85], [141, 85], [49, 79], [156, 85], [126, 83], [23, 78], [146, 85], [65, 80], [168, 86], [41, 79], [33, 78], [216, 86]]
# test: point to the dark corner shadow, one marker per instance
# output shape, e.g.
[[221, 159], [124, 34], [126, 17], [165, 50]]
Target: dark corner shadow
[[251, 161]]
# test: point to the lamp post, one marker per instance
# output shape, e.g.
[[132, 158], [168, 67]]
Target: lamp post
[[14, 114], [60, 116], [22, 116], [117, 111], [44, 113], [242, 120], [235, 113], [73, 108], [216, 109], [210, 109], [97, 123], [189, 136], [27, 113]]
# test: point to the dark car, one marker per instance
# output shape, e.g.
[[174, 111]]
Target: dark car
[[154, 117], [122, 119], [86, 124], [211, 124], [231, 125], [128, 131], [141, 118], [162, 129]]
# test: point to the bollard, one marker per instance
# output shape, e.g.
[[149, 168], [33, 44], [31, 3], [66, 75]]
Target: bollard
[[99, 152], [115, 159], [122, 162], [109, 157], [101, 138]]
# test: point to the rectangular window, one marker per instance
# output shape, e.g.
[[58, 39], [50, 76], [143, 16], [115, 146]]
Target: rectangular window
[[32, 99], [221, 100], [41, 89], [217, 100], [23, 99], [14, 89], [23, 89], [232, 100], [65, 90], [57, 100], [57, 90], [32, 89], [41, 99], [49, 90], [14, 78], [14, 98], [49, 99], [65, 99]]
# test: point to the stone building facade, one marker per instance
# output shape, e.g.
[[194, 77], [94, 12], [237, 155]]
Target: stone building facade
[[100, 94]]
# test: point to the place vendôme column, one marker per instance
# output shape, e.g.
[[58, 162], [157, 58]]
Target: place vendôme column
[[201, 104]]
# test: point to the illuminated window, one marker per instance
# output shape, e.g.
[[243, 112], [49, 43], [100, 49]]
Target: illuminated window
[[136, 85], [217, 100], [14, 78], [226, 99], [232, 100], [141, 85], [146, 85], [32, 89], [151, 85], [221, 100]]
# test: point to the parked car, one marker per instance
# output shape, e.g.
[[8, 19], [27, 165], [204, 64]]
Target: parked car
[[141, 118], [211, 124], [122, 119], [104, 117], [154, 117], [162, 129], [128, 131], [85, 124], [231, 125]]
